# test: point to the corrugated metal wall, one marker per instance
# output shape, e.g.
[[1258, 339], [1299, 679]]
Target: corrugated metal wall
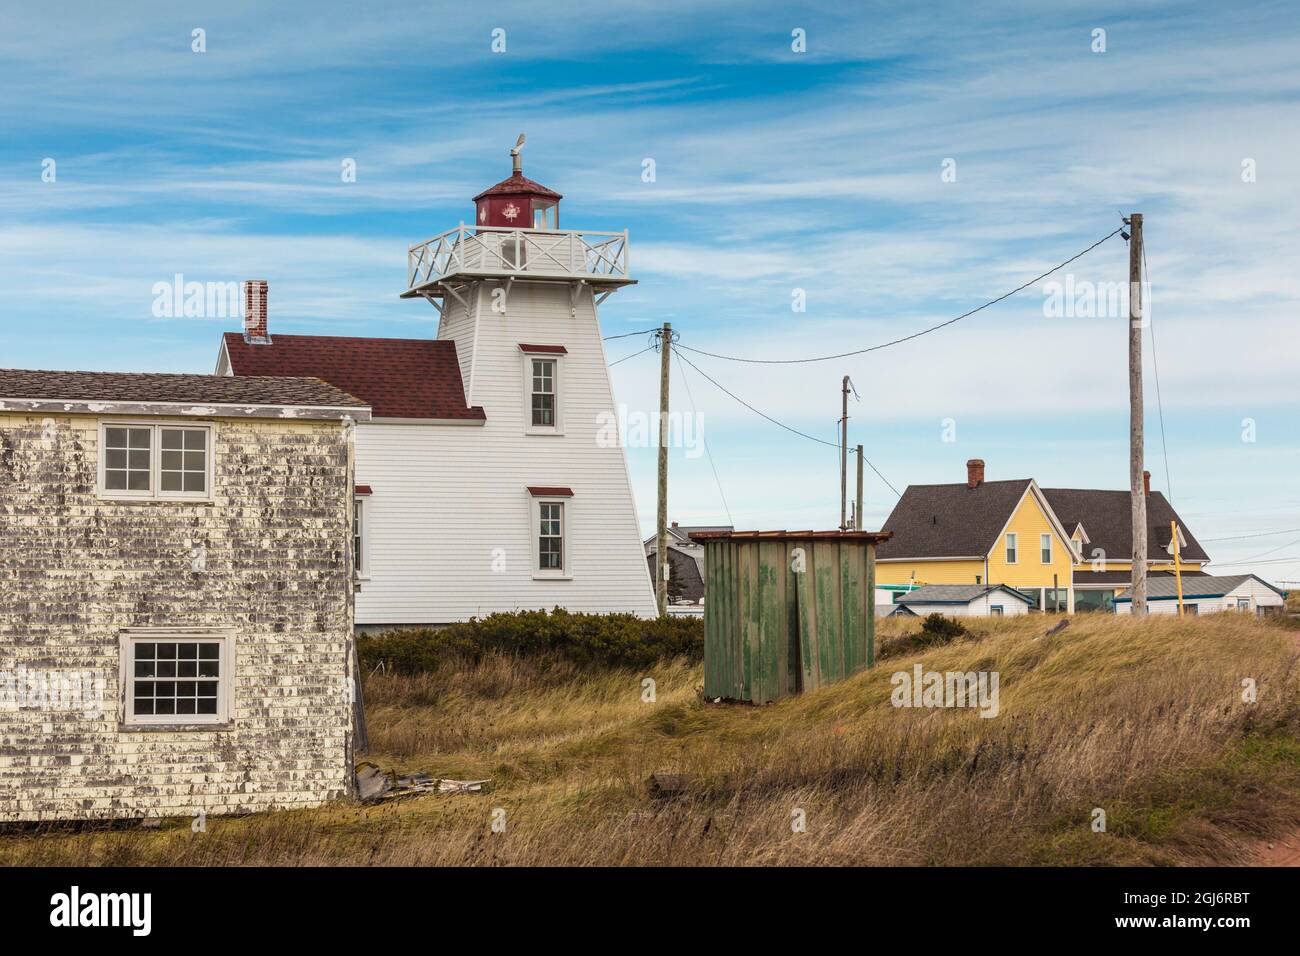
[[786, 612]]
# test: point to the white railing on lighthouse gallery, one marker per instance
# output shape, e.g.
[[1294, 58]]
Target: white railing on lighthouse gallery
[[600, 257]]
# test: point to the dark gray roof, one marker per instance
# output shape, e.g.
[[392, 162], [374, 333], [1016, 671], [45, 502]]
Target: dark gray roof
[[147, 387], [1107, 519], [1199, 587], [685, 583], [955, 593], [1083, 578], [950, 521]]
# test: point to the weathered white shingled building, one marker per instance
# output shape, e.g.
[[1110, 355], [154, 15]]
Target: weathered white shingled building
[[176, 601]]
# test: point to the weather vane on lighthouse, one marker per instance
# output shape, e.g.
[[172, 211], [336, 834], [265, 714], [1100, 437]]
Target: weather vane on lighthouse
[[514, 154]]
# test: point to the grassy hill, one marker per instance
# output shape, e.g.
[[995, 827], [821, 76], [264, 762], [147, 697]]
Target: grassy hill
[[1144, 720]]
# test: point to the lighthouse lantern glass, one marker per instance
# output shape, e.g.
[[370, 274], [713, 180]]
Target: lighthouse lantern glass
[[545, 215]]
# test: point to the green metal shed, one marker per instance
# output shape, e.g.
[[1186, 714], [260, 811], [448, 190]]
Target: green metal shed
[[786, 611]]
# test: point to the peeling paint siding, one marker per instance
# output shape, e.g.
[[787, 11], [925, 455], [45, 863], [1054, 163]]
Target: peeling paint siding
[[76, 570]]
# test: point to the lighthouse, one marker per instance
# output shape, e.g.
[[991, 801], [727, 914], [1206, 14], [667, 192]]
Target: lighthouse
[[544, 514]]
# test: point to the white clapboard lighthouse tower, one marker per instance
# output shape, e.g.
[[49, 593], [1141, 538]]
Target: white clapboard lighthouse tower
[[543, 501]]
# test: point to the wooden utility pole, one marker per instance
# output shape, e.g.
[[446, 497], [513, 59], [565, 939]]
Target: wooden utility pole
[[661, 530], [1137, 488], [1178, 567], [844, 458], [857, 511]]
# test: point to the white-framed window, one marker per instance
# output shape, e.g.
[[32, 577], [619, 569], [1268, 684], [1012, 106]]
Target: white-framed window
[[360, 539], [1243, 604], [550, 536], [551, 520], [1045, 548], [1011, 547], [544, 392], [164, 460], [177, 677]]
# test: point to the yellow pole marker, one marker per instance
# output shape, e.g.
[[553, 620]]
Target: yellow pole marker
[[1178, 568]]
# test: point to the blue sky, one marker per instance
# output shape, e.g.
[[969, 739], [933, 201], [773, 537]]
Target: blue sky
[[775, 170]]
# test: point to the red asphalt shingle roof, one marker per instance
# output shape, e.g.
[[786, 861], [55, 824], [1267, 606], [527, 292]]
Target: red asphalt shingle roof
[[398, 378]]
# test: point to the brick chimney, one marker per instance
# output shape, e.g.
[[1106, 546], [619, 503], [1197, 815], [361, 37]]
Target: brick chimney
[[974, 472], [1146, 483], [255, 322]]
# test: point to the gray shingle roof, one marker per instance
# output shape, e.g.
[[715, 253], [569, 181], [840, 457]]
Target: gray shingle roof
[[1198, 587], [1106, 517], [954, 593], [950, 521], [146, 387]]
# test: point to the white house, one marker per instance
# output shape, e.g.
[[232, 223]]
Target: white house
[[490, 477], [1206, 594], [962, 600]]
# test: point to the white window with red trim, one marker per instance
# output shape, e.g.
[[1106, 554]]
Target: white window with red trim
[[361, 533], [550, 518], [543, 370]]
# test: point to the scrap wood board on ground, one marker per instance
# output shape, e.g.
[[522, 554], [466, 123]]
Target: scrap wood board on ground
[[373, 784]]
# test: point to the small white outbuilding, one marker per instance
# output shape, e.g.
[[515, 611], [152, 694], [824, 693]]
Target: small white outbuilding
[[962, 600], [1206, 594]]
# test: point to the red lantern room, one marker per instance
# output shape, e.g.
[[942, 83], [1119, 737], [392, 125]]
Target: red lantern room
[[518, 202]]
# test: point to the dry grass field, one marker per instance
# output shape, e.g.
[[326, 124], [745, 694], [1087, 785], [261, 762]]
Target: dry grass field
[[1144, 720]]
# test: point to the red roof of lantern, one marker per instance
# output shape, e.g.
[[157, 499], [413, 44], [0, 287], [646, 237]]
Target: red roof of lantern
[[519, 184]]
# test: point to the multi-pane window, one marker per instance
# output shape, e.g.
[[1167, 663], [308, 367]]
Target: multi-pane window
[[176, 678], [156, 461], [1045, 545], [1011, 548], [358, 539], [550, 536], [128, 462], [543, 392], [184, 462]]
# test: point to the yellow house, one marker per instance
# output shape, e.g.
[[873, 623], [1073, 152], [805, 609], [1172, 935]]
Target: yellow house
[[1013, 533]]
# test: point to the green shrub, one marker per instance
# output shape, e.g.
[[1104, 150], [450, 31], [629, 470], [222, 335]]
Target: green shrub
[[607, 640], [935, 630]]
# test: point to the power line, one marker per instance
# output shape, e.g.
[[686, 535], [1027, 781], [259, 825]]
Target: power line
[[718, 481], [914, 335], [1256, 563], [788, 428], [1242, 537], [1264, 554], [629, 334], [1155, 365], [648, 348]]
